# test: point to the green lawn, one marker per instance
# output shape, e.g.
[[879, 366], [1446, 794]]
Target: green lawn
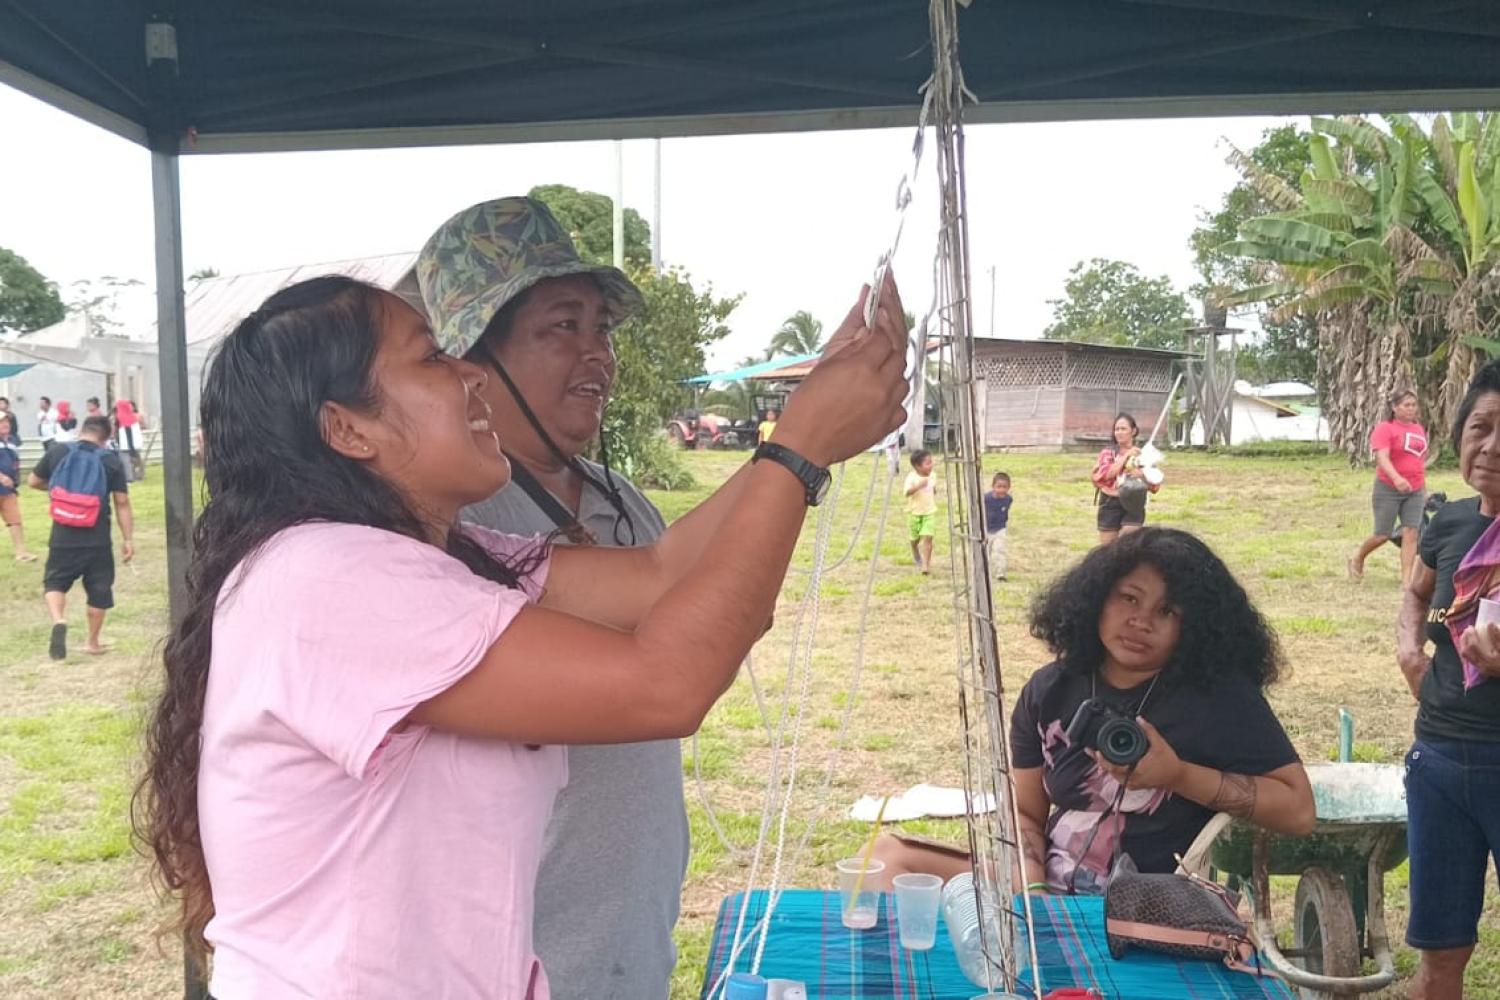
[[77, 914]]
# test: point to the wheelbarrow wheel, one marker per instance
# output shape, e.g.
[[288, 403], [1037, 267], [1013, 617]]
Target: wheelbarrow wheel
[[1323, 929]]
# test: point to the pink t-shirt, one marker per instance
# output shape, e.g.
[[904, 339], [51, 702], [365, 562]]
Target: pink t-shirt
[[348, 859], [1407, 444]]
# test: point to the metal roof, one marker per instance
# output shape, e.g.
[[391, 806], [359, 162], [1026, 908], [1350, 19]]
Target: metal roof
[[1084, 345], [216, 305]]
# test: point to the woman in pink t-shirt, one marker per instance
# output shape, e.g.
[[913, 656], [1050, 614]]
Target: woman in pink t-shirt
[[1399, 445], [360, 734]]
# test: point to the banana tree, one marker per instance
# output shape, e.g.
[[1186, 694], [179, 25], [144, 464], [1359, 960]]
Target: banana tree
[[1389, 245]]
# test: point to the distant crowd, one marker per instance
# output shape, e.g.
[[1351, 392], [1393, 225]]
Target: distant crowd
[[84, 472]]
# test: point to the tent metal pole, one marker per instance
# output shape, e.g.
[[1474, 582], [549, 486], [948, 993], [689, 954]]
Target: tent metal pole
[[171, 335], [171, 340]]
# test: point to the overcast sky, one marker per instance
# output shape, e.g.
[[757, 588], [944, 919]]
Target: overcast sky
[[793, 221]]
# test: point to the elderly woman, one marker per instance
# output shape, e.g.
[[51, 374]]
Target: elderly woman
[[1453, 767], [1399, 445], [1156, 628]]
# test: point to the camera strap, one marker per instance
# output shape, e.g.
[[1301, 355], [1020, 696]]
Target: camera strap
[[1114, 807], [1094, 691]]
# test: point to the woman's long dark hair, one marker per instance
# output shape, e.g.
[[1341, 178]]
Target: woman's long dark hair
[[267, 468], [1222, 635]]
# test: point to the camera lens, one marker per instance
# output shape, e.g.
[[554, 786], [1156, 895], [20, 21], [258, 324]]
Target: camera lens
[[1121, 741]]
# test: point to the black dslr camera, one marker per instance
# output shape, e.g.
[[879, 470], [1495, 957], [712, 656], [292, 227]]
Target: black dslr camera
[[1118, 738]]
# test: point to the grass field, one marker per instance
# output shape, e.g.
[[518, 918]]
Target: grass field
[[77, 915]]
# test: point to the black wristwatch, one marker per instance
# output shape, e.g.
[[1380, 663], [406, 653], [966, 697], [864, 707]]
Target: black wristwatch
[[815, 479]]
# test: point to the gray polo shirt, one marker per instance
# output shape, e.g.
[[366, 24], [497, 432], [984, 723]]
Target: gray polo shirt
[[616, 851]]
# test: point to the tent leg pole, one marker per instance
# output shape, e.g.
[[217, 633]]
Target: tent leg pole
[[171, 338], [171, 332]]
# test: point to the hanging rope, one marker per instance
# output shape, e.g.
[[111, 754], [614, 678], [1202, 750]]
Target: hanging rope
[[993, 837], [993, 834]]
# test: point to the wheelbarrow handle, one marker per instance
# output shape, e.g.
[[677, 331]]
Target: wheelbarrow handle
[[1327, 984], [1380, 945]]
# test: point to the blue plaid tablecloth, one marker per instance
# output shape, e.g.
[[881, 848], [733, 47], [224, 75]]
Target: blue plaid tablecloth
[[808, 942]]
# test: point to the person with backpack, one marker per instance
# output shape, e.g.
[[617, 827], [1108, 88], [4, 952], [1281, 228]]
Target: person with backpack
[[81, 479]]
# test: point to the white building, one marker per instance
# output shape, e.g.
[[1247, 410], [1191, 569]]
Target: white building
[[1280, 411], [115, 356]]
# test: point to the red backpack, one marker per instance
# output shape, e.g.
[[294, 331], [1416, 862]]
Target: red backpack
[[76, 488]]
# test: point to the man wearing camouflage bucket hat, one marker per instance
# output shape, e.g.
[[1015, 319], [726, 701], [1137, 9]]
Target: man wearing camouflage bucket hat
[[504, 287]]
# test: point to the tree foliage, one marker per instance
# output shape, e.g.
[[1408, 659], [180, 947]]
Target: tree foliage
[[1288, 349], [1111, 302], [28, 301], [1388, 245], [800, 333], [98, 300], [656, 349], [589, 218]]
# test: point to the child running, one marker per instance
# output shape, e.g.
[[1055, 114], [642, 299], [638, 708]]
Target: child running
[[921, 508], [996, 516]]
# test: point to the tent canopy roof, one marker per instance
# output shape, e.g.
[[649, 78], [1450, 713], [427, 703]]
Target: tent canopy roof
[[283, 74]]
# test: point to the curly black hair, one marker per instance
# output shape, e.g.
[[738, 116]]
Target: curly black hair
[[1222, 632]]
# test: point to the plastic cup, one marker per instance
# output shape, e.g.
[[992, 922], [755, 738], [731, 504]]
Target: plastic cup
[[917, 900], [1489, 612], [860, 911]]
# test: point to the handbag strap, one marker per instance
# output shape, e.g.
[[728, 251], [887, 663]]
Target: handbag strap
[[549, 504], [1238, 951]]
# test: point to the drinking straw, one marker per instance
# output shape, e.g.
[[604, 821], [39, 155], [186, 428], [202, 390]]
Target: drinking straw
[[864, 860]]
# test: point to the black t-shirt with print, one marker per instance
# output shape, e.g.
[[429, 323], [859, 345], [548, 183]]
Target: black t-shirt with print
[[1446, 711], [1229, 727]]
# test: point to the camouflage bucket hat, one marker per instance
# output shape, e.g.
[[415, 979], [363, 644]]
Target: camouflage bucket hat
[[488, 254]]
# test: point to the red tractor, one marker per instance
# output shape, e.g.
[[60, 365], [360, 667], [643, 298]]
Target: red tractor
[[692, 429]]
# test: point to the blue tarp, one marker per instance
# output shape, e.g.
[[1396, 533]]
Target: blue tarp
[[9, 371], [750, 371]]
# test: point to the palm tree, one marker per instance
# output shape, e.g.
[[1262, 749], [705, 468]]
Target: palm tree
[[1389, 247], [800, 333]]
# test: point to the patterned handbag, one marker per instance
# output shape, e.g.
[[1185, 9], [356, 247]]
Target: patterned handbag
[[1181, 915]]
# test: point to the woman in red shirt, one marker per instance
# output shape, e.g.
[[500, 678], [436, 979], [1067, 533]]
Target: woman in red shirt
[[1400, 448]]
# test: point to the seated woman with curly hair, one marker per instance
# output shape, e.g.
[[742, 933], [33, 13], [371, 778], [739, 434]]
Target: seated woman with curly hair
[[1157, 628]]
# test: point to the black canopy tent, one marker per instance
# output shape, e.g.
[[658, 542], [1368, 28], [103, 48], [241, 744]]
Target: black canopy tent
[[206, 76]]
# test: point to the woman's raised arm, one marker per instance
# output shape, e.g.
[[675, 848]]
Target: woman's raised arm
[[555, 677]]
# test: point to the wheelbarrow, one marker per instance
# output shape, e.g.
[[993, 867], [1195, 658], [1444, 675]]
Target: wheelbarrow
[[1339, 916]]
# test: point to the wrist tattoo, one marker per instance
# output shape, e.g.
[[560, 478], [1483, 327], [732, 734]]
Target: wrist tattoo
[[1236, 795]]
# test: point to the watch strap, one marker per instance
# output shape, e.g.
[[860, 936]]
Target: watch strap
[[811, 475]]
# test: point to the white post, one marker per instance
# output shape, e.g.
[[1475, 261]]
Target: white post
[[992, 300], [619, 203], [656, 215]]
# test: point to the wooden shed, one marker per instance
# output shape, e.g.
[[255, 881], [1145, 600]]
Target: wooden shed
[[1054, 394]]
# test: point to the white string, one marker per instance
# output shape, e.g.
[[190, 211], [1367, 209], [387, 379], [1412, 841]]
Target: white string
[[760, 931], [736, 851], [808, 604]]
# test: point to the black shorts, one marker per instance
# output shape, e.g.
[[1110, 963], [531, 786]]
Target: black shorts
[[1112, 514], [95, 563]]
